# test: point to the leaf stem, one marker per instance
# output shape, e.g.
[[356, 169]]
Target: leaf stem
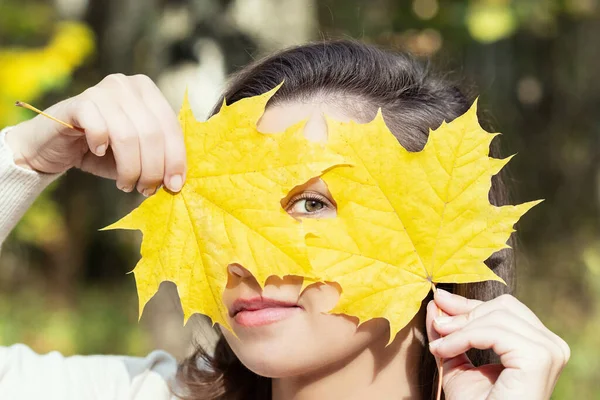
[[32, 108], [441, 361]]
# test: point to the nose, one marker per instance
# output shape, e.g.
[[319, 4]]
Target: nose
[[238, 270]]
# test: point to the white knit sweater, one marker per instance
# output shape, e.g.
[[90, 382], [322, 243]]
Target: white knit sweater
[[27, 375]]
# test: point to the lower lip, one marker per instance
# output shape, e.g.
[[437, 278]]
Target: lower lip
[[264, 316]]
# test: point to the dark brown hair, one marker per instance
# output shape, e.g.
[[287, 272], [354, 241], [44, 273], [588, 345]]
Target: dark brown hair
[[413, 99]]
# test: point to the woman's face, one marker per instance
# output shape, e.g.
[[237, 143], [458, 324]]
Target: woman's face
[[292, 335]]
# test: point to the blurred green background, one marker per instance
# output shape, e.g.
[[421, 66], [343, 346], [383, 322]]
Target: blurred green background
[[534, 63]]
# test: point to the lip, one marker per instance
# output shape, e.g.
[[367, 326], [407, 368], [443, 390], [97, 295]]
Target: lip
[[259, 311]]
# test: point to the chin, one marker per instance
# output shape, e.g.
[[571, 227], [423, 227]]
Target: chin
[[296, 346], [272, 356]]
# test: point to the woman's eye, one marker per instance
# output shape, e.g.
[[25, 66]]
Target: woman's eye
[[310, 204]]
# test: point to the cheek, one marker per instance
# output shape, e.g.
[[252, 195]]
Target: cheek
[[320, 298], [305, 344]]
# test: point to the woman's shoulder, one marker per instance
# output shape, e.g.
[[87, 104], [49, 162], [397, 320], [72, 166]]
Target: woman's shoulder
[[24, 374]]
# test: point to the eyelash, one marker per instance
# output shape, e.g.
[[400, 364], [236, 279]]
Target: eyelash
[[310, 196]]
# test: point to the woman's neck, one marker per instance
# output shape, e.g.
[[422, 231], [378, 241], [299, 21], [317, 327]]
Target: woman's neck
[[378, 372]]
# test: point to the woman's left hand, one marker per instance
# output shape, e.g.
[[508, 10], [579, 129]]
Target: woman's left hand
[[531, 356]]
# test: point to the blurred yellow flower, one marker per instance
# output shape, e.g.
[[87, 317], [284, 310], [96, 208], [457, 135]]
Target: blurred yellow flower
[[26, 74]]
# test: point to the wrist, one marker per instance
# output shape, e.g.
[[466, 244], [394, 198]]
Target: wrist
[[11, 138]]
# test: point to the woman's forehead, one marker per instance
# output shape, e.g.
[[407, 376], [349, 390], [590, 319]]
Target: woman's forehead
[[279, 117]]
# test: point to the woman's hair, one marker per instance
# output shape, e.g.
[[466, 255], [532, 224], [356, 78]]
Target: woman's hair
[[361, 78]]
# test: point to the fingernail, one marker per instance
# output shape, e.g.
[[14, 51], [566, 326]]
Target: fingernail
[[443, 294], [126, 189], [435, 344], [101, 150], [175, 183], [148, 192], [443, 320]]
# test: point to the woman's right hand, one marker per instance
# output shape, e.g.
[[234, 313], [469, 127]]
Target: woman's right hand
[[131, 135]]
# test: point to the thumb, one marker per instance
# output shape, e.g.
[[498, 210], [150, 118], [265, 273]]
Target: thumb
[[451, 366]]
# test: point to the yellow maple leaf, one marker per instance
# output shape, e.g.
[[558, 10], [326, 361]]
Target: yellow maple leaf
[[228, 211], [406, 219]]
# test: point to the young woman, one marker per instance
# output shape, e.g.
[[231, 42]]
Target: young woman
[[133, 137]]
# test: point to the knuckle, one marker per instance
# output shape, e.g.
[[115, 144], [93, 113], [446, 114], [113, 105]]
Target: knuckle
[[566, 358], [125, 137], [470, 316], [114, 80], [496, 315], [494, 318], [506, 300], [556, 353], [129, 173], [151, 132], [465, 301], [473, 314], [90, 93], [152, 172], [142, 79], [82, 105], [118, 77], [466, 335], [565, 351], [175, 165], [471, 303], [150, 178], [151, 139]]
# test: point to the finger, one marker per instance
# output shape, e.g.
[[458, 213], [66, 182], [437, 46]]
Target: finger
[[453, 304], [529, 370], [86, 115], [515, 350], [151, 138], [123, 138], [472, 309], [175, 155], [496, 319], [502, 319]]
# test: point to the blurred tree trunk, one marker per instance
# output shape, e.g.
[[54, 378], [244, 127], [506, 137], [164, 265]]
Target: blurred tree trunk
[[127, 29]]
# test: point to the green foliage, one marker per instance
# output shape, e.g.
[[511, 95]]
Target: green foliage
[[102, 321]]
